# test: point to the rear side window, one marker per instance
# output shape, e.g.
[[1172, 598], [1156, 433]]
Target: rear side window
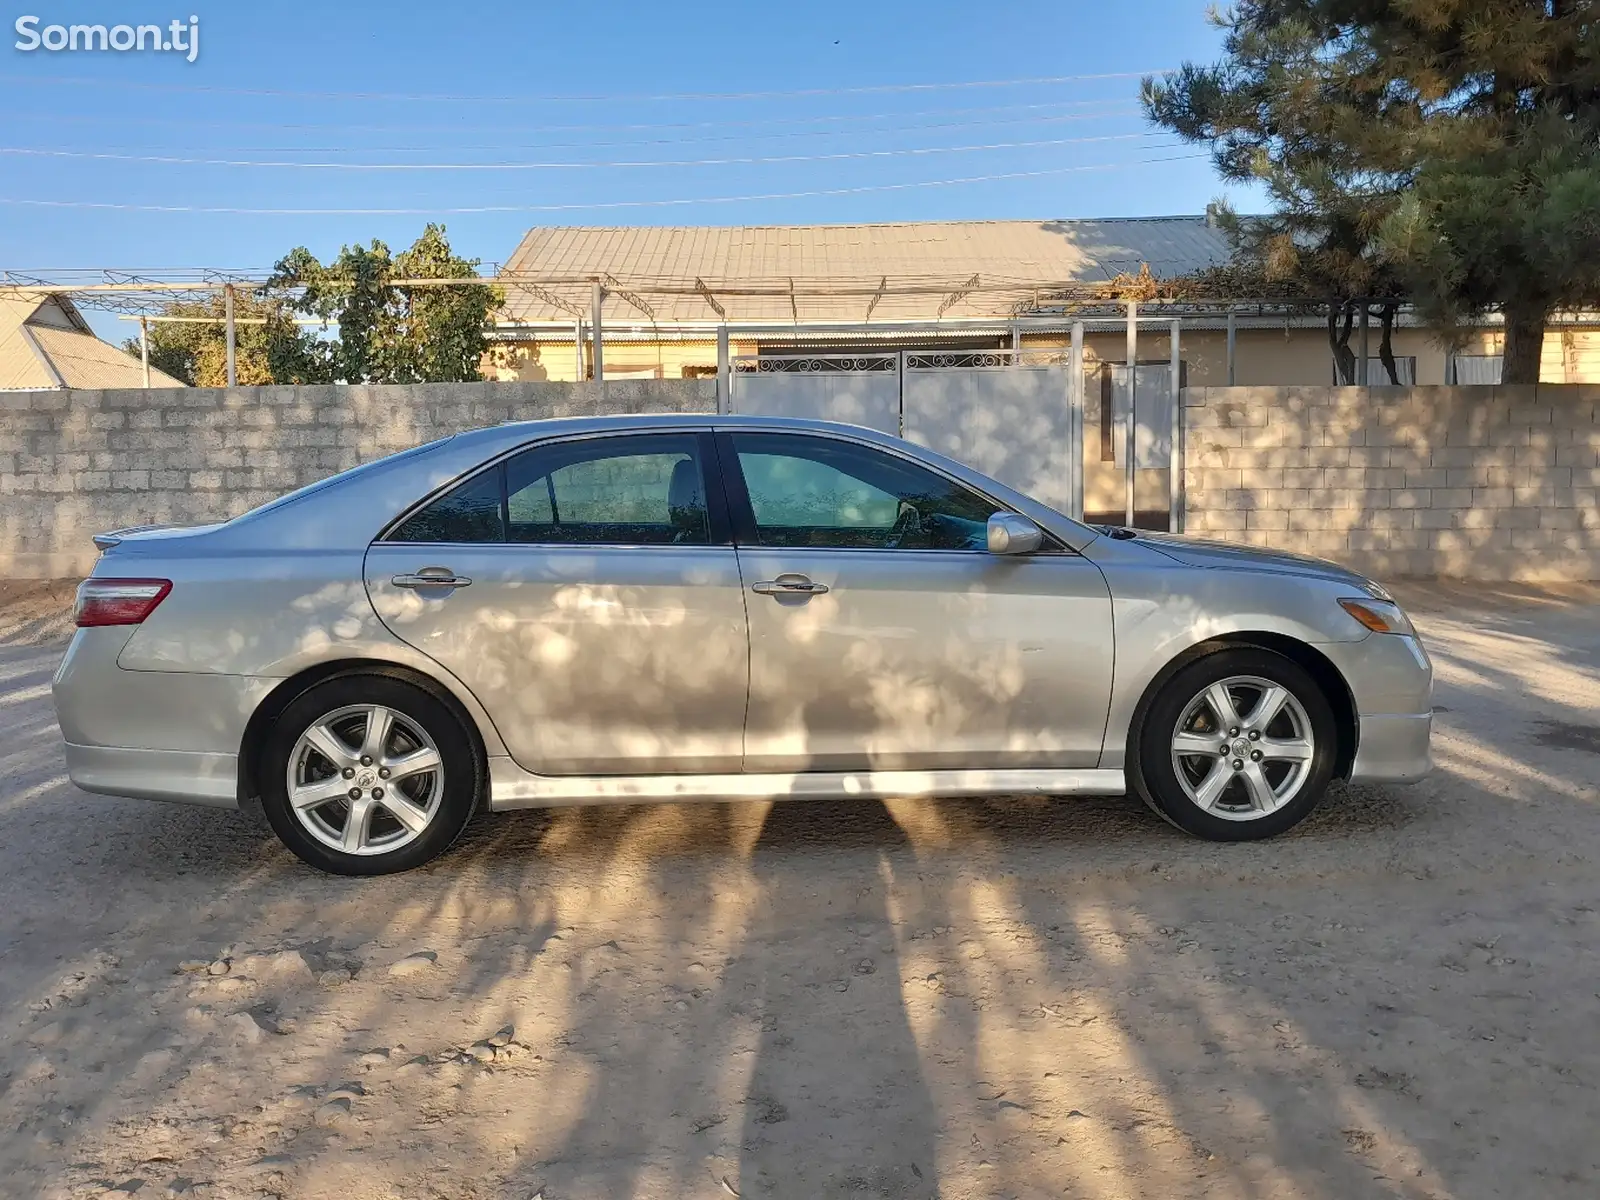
[[469, 512], [635, 491], [645, 489]]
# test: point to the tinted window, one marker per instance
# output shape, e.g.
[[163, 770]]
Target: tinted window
[[640, 490], [808, 491], [617, 498], [469, 512]]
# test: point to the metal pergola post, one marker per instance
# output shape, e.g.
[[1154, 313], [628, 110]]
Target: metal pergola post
[[724, 369], [581, 365], [900, 387], [1075, 400], [144, 349], [597, 296], [1233, 348], [230, 332], [1129, 422], [1175, 436]]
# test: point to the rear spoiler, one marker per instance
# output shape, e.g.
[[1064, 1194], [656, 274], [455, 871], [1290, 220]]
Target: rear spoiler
[[114, 538]]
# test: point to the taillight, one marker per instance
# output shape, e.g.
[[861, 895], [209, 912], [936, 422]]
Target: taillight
[[118, 601]]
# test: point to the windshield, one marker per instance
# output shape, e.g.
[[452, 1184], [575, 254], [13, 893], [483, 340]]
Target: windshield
[[348, 473]]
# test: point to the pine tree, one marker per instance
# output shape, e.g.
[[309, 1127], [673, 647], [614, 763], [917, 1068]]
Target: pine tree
[[1448, 150]]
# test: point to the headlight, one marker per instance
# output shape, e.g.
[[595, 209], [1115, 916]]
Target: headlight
[[1380, 616], [1376, 590]]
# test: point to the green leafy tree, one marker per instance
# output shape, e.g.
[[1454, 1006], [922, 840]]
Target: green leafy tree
[[394, 333], [1443, 151], [195, 348]]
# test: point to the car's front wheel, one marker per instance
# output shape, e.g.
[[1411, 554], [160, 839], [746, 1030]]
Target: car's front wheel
[[368, 774], [1238, 745]]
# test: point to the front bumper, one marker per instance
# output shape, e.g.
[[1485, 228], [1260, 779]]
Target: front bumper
[[1391, 682], [1393, 748]]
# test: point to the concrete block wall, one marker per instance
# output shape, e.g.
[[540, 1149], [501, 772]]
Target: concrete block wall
[[74, 463], [1492, 483]]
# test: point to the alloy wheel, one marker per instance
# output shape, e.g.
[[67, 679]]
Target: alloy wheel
[[1243, 748], [365, 779]]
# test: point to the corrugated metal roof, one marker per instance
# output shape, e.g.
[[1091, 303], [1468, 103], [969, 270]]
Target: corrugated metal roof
[[940, 257], [45, 343], [84, 361], [20, 365]]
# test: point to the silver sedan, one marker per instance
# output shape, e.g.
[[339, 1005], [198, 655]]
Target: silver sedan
[[617, 610]]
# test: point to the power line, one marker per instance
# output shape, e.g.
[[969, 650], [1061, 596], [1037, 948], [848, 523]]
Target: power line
[[436, 98], [750, 160], [680, 140], [577, 207], [102, 119]]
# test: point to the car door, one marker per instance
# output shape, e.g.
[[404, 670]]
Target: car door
[[884, 635], [587, 592]]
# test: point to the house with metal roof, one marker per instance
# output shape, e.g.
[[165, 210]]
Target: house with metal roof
[[786, 274], [663, 295], [46, 344]]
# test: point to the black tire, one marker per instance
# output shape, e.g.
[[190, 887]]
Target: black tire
[[1155, 775], [459, 756]]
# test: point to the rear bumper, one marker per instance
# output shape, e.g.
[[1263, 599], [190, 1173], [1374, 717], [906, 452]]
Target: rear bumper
[[1394, 748], [190, 777], [159, 735]]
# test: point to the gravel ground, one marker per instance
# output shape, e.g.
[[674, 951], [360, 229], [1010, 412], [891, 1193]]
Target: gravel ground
[[954, 998]]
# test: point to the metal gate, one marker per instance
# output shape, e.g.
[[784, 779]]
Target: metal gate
[[1005, 412], [858, 389], [1014, 415]]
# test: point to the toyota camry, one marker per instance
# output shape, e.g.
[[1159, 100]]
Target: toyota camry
[[651, 608]]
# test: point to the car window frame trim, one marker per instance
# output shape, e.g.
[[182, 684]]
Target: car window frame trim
[[743, 518], [718, 516]]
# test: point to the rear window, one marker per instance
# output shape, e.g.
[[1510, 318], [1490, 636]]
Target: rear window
[[348, 473]]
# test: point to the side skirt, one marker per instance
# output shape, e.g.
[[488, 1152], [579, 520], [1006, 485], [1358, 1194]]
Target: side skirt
[[511, 787]]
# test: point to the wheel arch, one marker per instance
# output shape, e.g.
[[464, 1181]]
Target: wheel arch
[[1327, 676], [285, 693]]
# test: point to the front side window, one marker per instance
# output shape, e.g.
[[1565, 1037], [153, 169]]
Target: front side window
[[819, 492], [647, 489]]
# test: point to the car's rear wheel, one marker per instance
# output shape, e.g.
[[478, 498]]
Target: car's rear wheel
[[1237, 745], [368, 774]]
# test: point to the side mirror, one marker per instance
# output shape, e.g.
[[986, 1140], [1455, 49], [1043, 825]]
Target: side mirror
[[1010, 533]]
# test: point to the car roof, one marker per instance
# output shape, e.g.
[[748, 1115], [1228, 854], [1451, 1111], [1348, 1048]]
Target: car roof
[[636, 420], [512, 432]]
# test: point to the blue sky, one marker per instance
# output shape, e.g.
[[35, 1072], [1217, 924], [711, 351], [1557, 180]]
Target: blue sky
[[850, 99]]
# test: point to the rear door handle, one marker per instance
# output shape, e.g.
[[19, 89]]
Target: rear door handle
[[431, 577], [789, 585]]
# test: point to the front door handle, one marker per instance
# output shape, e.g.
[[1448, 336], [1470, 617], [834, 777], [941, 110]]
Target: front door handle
[[431, 577], [788, 585]]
